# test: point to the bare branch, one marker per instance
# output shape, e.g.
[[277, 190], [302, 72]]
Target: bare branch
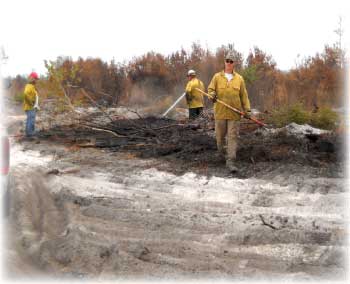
[[267, 224], [96, 104], [104, 130], [68, 99], [99, 92], [168, 126]]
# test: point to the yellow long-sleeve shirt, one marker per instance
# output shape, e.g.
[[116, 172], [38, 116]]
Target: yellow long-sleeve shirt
[[196, 97], [232, 92], [30, 94]]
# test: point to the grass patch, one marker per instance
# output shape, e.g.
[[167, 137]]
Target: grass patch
[[324, 118], [285, 115]]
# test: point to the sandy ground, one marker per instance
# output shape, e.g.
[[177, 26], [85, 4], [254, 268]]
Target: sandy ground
[[87, 213]]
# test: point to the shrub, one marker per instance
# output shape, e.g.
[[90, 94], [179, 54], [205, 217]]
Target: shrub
[[298, 114], [249, 74], [295, 113], [325, 118]]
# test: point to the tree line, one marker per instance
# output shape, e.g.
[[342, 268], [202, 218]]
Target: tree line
[[316, 81]]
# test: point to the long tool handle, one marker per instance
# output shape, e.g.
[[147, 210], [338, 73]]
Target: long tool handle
[[174, 104], [232, 108]]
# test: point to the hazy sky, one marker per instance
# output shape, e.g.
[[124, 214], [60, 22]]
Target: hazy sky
[[34, 30]]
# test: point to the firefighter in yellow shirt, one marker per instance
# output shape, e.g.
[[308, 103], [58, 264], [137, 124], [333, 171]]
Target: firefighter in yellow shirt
[[31, 104], [193, 97], [229, 87]]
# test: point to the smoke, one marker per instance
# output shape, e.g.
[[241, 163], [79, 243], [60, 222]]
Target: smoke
[[153, 99]]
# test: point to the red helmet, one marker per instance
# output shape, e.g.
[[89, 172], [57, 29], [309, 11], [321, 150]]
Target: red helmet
[[33, 75]]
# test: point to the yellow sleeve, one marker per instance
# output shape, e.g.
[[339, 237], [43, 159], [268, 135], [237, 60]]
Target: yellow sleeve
[[188, 87], [244, 97]]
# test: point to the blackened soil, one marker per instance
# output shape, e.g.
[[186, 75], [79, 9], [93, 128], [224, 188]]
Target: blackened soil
[[192, 146]]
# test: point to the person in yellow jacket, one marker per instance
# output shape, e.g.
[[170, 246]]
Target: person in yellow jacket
[[229, 87], [31, 104], [193, 97]]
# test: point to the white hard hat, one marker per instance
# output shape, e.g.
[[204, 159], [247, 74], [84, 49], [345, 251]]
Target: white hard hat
[[191, 72]]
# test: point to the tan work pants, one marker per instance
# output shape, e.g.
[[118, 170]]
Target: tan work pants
[[226, 132]]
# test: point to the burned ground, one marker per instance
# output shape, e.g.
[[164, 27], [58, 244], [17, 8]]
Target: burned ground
[[192, 146]]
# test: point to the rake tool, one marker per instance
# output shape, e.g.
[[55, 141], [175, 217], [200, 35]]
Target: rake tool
[[234, 109]]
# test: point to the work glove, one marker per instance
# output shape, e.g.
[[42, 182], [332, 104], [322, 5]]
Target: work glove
[[37, 108], [215, 97], [248, 114]]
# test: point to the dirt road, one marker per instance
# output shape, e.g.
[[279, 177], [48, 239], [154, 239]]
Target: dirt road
[[94, 213]]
